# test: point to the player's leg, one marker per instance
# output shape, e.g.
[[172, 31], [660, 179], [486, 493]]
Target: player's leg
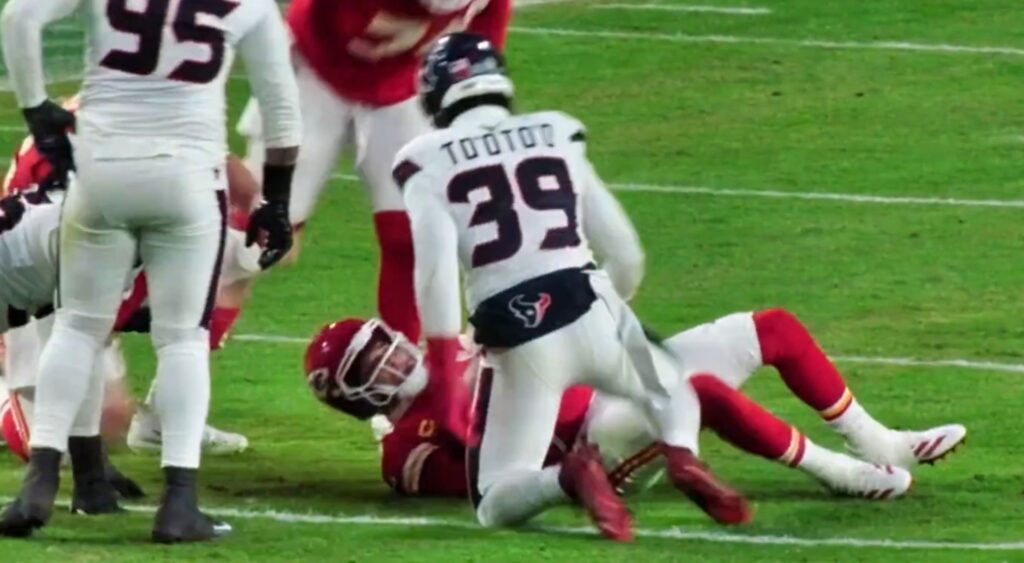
[[787, 345], [95, 258], [24, 344], [746, 425], [380, 134], [517, 407], [182, 262], [326, 121], [624, 364]]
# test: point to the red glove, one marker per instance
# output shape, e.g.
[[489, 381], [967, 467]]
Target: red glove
[[450, 398]]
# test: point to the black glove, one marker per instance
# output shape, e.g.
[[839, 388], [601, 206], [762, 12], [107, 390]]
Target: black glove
[[269, 224], [49, 124]]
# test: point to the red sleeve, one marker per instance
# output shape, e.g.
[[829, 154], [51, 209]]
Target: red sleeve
[[492, 22], [418, 460]]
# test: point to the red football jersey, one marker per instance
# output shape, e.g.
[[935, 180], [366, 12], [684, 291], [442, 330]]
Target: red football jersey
[[369, 51], [421, 458]]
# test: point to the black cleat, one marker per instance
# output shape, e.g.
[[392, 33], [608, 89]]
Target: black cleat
[[93, 493], [34, 505], [179, 519], [126, 487]]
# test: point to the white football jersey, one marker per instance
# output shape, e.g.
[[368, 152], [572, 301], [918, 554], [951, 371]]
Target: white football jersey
[[156, 69], [28, 259], [515, 189]]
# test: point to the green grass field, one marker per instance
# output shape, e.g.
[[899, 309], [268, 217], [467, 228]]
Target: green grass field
[[697, 118]]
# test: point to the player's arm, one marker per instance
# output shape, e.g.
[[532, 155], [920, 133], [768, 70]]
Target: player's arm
[[265, 50], [21, 27], [21, 24], [424, 468], [435, 246], [612, 235], [492, 22]]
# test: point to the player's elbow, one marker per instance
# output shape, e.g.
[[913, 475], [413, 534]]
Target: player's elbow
[[627, 272]]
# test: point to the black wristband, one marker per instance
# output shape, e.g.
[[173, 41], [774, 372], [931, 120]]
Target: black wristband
[[277, 182]]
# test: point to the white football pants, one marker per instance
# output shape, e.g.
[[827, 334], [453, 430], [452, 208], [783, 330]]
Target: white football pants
[[519, 404], [166, 207]]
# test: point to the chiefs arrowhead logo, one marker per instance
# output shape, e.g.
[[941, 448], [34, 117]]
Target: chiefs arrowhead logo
[[530, 312]]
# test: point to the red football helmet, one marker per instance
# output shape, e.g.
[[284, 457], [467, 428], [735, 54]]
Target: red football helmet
[[361, 367]]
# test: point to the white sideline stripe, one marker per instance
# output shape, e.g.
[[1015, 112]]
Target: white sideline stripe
[[780, 194], [811, 43], [731, 10], [981, 365], [665, 533]]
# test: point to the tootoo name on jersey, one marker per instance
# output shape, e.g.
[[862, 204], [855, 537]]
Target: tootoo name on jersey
[[524, 137]]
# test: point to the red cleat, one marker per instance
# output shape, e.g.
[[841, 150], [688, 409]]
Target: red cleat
[[584, 479], [695, 480]]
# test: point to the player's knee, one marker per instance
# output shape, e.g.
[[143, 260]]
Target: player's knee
[[168, 338], [489, 517], [780, 334], [93, 329]]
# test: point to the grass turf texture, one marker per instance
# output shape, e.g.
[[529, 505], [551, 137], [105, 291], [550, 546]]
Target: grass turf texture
[[872, 280]]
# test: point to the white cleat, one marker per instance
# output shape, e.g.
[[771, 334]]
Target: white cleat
[[220, 442], [144, 436], [909, 448], [870, 481]]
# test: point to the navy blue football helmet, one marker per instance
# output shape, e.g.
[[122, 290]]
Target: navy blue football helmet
[[462, 70]]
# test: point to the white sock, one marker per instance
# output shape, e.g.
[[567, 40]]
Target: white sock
[[516, 498], [182, 400], [65, 368], [87, 421], [823, 464], [858, 426]]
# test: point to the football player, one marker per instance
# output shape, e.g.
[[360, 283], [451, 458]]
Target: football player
[[367, 371], [514, 200], [152, 192], [356, 64], [29, 173]]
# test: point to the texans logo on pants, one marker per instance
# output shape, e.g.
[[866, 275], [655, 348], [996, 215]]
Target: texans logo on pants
[[530, 312]]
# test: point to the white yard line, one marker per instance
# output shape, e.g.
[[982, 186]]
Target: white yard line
[[782, 194], [980, 365], [906, 46], [729, 10], [680, 534]]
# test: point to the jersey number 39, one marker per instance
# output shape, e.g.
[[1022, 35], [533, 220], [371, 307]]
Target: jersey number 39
[[500, 208], [148, 25]]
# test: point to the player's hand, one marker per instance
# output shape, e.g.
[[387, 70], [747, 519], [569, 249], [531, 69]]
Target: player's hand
[[49, 124], [271, 228]]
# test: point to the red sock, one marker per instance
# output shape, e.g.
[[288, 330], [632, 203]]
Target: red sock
[[744, 423], [221, 321], [810, 375], [396, 295]]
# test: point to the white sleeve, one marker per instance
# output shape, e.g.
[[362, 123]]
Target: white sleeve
[[612, 236], [21, 26], [266, 51], [435, 246]]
